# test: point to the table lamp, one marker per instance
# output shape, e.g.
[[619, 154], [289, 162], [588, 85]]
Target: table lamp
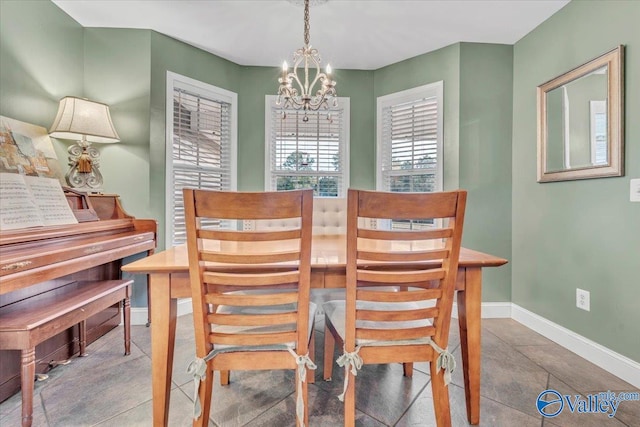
[[84, 121]]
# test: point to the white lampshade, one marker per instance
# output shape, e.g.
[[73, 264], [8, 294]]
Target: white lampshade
[[79, 117]]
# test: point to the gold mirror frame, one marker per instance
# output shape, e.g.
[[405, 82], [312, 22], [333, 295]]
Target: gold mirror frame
[[615, 114]]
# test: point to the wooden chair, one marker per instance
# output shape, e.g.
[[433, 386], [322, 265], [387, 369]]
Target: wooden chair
[[250, 289], [408, 321]]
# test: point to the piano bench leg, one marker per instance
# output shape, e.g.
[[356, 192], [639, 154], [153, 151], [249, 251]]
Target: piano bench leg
[[126, 314], [83, 338], [27, 378]]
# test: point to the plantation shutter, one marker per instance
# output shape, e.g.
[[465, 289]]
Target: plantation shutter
[[307, 153], [201, 155], [410, 154]]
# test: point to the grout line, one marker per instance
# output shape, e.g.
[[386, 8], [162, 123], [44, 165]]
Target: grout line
[[428, 384], [273, 406]]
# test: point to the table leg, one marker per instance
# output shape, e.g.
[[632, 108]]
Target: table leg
[[163, 334], [469, 307]]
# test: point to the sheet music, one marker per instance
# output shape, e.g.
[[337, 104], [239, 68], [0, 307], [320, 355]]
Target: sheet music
[[17, 208], [50, 200], [31, 201]]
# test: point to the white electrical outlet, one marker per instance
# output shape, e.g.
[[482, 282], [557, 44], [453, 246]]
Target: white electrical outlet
[[583, 300]]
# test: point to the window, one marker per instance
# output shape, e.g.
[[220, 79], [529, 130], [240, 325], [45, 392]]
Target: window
[[409, 144], [307, 153], [201, 144], [599, 152], [410, 140]]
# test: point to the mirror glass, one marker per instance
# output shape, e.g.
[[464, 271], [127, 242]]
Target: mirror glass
[[579, 125]]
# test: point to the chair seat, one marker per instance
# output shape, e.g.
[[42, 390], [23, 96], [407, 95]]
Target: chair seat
[[336, 312], [227, 329]]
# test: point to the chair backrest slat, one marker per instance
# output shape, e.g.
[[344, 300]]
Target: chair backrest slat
[[404, 256], [438, 233], [399, 277], [256, 320], [249, 236], [249, 279], [407, 296], [395, 334], [403, 315], [250, 300], [252, 339], [238, 258]]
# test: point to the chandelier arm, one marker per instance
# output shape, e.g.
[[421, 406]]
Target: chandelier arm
[[319, 75]]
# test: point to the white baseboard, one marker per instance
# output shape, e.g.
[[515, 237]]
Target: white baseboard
[[139, 315], [615, 363], [489, 310]]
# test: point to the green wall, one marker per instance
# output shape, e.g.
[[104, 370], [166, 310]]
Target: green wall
[[41, 61], [578, 234], [486, 81], [117, 72]]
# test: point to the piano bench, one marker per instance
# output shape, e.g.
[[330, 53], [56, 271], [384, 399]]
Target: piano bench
[[25, 324]]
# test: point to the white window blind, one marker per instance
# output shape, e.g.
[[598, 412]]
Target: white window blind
[[307, 153], [201, 149], [410, 142]]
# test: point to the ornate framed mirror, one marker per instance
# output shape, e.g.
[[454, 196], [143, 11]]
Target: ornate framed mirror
[[580, 121]]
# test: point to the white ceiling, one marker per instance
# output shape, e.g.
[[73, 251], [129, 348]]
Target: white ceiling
[[361, 34]]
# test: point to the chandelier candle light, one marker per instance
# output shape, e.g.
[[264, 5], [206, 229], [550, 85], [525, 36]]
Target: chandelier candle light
[[303, 97]]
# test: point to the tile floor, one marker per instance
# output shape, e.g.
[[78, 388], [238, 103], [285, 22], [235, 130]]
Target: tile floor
[[108, 389]]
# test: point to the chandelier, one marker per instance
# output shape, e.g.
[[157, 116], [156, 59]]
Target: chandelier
[[302, 92]]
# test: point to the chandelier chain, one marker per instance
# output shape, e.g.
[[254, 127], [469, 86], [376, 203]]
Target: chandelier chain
[[306, 22]]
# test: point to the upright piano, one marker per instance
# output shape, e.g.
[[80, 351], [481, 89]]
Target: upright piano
[[42, 260]]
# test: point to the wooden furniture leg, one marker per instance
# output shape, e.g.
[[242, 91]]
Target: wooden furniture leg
[[126, 317], [311, 375], [27, 378], [469, 307], [163, 335], [82, 326], [148, 301]]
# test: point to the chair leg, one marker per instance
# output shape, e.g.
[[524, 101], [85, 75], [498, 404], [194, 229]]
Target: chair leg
[[329, 346], [206, 389], [311, 374], [224, 377], [350, 402], [407, 368], [440, 397], [302, 387]]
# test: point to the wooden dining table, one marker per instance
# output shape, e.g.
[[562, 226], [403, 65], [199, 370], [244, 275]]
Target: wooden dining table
[[168, 273]]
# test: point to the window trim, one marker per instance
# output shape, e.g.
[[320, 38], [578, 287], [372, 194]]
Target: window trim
[[177, 80], [344, 104], [425, 91]]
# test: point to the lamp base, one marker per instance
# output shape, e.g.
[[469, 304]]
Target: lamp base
[[84, 174]]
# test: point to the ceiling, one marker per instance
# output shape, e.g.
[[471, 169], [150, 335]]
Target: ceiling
[[362, 34]]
